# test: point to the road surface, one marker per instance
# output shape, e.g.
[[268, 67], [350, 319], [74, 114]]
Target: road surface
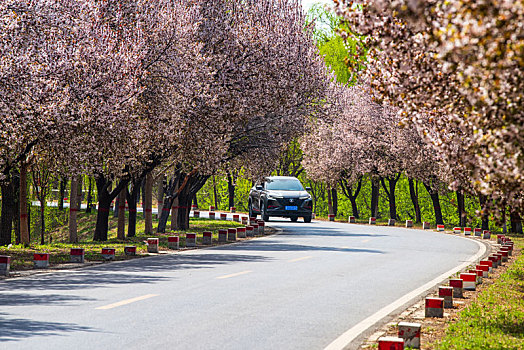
[[300, 289]]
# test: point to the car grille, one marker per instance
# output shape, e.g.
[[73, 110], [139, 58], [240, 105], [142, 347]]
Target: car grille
[[290, 201]]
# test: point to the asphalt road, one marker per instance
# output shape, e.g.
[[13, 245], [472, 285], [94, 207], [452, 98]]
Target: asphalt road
[[300, 289]]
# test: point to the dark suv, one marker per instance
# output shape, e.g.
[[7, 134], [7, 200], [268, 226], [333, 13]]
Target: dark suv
[[281, 196]]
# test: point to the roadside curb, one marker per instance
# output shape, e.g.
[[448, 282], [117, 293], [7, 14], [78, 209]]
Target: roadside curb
[[70, 267]]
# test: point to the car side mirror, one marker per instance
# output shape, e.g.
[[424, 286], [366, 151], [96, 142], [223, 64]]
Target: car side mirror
[[259, 188], [308, 189]]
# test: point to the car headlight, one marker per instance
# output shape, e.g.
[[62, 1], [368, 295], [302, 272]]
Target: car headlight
[[305, 197], [273, 197]]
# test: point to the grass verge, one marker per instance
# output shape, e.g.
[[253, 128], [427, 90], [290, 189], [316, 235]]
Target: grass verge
[[495, 320], [59, 250]]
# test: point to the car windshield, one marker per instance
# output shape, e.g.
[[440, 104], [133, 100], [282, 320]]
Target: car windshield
[[284, 185]]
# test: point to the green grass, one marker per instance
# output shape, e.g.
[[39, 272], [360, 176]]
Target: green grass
[[59, 249], [496, 319]]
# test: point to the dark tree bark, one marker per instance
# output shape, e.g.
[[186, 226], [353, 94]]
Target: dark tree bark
[[161, 186], [121, 225], [89, 195], [172, 191], [215, 192], [174, 214], [182, 212], [132, 197], [195, 200], [63, 186], [184, 187], [8, 211], [330, 202], [143, 190], [24, 212], [42, 222], [516, 222], [334, 198], [105, 196], [347, 190], [392, 183], [231, 190], [41, 177], [483, 200], [375, 192], [148, 204], [413, 193], [73, 209], [433, 193], [461, 208], [16, 191]]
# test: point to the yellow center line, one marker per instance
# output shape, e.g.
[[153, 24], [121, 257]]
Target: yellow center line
[[125, 302], [234, 275], [344, 247], [299, 259], [365, 241]]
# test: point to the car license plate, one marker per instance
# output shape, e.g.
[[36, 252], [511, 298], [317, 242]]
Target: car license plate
[[291, 207]]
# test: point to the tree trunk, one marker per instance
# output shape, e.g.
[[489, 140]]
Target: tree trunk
[[184, 206], [195, 200], [160, 198], [163, 215], [89, 196], [132, 200], [516, 222], [347, 190], [24, 220], [461, 208], [63, 186], [375, 192], [230, 190], [73, 210], [436, 204], [148, 204], [104, 203], [143, 190], [16, 194], [483, 200], [42, 221], [330, 201], [413, 193], [174, 214], [102, 220], [8, 212], [215, 193], [184, 191], [121, 229], [334, 198], [79, 192], [392, 183]]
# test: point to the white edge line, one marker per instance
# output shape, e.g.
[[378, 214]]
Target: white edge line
[[348, 336]]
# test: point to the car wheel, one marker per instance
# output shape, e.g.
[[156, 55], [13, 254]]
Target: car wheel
[[294, 219], [265, 217], [307, 219], [250, 206]]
